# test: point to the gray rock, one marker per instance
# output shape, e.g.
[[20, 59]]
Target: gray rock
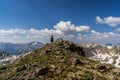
[[21, 68], [59, 41], [42, 71]]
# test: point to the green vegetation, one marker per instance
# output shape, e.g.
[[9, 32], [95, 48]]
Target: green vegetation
[[60, 60]]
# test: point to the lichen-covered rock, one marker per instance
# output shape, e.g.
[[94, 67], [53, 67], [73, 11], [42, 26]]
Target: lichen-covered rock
[[21, 68], [59, 41], [78, 62], [42, 71]]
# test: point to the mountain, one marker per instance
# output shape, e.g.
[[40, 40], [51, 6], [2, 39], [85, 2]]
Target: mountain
[[16, 49], [60, 60], [10, 52], [6, 58], [104, 53], [3, 54]]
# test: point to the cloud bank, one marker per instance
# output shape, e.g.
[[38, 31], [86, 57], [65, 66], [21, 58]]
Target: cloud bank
[[111, 21], [63, 29]]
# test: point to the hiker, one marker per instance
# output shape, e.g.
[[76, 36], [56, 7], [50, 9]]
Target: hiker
[[52, 38]]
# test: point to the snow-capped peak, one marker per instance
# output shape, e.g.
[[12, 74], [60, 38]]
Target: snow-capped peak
[[104, 53]]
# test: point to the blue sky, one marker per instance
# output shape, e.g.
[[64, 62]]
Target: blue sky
[[83, 20]]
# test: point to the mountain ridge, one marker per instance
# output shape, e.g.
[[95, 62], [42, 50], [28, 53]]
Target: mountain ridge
[[19, 48], [60, 60], [103, 53]]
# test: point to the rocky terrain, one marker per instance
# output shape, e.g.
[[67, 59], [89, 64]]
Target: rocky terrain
[[60, 60], [104, 53]]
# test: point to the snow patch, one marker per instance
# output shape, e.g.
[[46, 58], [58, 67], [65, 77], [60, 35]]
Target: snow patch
[[11, 58], [109, 47]]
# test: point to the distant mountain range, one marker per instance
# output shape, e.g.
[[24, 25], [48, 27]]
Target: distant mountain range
[[10, 52], [107, 53], [16, 49], [104, 53]]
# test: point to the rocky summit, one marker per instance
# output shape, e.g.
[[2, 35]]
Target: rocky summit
[[60, 60]]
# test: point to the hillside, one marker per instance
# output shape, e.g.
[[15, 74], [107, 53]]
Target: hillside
[[60, 60]]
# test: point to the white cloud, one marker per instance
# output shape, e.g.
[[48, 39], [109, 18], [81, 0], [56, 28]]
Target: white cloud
[[68, 27], [111, 21], [94, 32], [65, 30], [105, 37], [12, 31]]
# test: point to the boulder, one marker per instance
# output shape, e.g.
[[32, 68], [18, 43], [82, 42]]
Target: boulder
[[102, 68], [77, 62], [42, 71], [59, 41], [21, 68]]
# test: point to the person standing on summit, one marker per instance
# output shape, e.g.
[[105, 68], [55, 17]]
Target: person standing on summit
[[51, 39]]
